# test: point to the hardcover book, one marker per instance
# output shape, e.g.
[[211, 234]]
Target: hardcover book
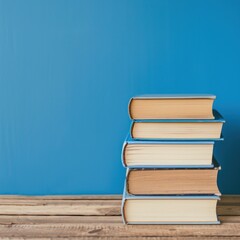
[[174, 106], [169, 209], [164, 154], [172, 181], [178, 129]]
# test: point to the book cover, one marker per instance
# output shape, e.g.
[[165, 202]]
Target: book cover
[[170, 96]]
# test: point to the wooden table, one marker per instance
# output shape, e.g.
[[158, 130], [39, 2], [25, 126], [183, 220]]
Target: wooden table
[[99, 217]]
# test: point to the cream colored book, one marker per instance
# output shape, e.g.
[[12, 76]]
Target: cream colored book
[[178, 129], [169, 209], [175, 106], [162, 154]]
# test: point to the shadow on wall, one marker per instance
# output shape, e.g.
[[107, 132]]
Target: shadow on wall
[[228, 155]]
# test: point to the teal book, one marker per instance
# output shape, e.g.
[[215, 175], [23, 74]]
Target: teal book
[[169, 209], [178, 129], [165, 154]]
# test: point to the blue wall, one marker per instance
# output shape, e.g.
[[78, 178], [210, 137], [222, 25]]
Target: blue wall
[[68, 69]]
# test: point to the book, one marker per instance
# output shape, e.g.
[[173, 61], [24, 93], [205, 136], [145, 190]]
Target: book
[[165, 154], [178, 129], [175, 106], [172, 181], [171, 175], [169, 209]]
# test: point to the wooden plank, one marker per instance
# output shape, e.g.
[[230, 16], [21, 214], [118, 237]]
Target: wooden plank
[[107, 207], [108, 226], [118, 230], [38, 202], [230, 199], [224, 198], [61, 207], [120, 238], [9, 198], [229, 219], [228, 210], [12, 219], [64, 197], [90, 218]]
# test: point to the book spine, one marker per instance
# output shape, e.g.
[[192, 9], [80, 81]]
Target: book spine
[[126, 190], [129, 108], [131, 130], [123, 204], [219, 193], [219, 199], [123, 154], [123, 211]]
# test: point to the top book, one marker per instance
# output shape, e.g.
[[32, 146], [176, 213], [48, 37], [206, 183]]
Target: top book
[[175, 106]]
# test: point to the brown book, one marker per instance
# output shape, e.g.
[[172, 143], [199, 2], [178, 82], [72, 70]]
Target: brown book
[[172, 181], [172, 106]]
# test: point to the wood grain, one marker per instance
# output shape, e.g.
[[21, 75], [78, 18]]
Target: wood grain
[[117, 230], [120, 238], [65, 197], [61, 207], [86, 217], [10, 220], [90, 207]]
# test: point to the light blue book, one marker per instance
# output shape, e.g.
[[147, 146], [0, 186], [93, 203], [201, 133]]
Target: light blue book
[[178, 129], [169, 209]]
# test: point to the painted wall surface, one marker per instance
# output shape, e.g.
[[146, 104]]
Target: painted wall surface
[[68, 69]]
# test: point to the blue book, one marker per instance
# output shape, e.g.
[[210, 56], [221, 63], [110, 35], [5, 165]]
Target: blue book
[[167, 154], [174, 106], [169, 209], [178, 129]]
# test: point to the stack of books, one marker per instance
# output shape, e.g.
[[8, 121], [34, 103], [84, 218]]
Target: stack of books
[[171, 170]]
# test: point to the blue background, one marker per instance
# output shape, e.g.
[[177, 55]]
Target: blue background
[[68, 69]]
